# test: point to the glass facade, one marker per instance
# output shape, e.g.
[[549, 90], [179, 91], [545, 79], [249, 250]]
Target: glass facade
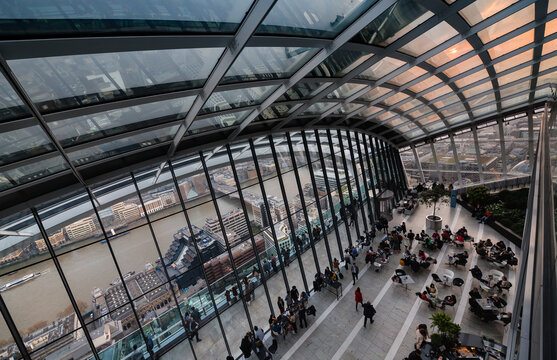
[[218, 236]]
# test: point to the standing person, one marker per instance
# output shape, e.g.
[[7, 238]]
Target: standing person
[[267, 267], [294, 293], [410, 238], [421, 336], [369, 312], [359, 298], [355, 271], [193, 328], [302, 315], [354, 253], [245, 345], [280, 304], [346, 258], [274, 263], [403, 227], [258, 333], [196, 315], [336, 265], [286, 256], [288, 299]]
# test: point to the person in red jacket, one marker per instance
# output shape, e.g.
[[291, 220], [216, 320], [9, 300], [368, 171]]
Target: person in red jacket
[[358, 297]]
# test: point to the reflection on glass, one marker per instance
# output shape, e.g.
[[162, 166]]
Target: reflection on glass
[[307, 18], [232, 99], [318, 108], [425, 84], [121, 146], [11, 106], [303, 90], [512, 44], [514, 61], [60, 82], [347, 108], [450, 54], [217, 122], [463, 66], [33, 171], [263, 63], [345, 91], [80, 129], [396, 98], [23, 143], [471, 79], [394, 23], [372, 110], [381, 68], [278, 111], [340, 63], [482, 9], [35, 17], [374, 93]]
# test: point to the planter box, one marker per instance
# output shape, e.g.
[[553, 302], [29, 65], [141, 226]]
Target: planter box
[[434, 224]]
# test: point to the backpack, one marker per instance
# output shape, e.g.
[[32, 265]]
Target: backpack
[[340, 275]]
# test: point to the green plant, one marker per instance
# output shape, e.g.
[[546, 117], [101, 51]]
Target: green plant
[[446, 330], [478, 195], [433, 196]]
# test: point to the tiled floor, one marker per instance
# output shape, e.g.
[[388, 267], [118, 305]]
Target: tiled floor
[[336, 332]]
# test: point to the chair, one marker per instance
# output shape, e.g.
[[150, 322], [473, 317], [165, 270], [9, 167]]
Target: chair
[[400, 272], [447, 277], [436, 278], [498, 275], [484, 287], [458, 282]]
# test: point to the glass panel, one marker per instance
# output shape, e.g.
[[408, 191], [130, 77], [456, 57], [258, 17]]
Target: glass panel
[[394, 23], [548, 64], [396, 98], [231, 99], [550, 27], [431, 118], [477, 89], [381, 68], [33, 171], [471, 79], [345, 91], [549, 47], [446, 160], [217, 122], [467, 159], [430, 39], [370, 111], [347, 108], [445, 89], [463, 66], [414, 134], [512, 44], [318, 108], [76, 17], [508, 24], [278, 111], [304, 90], [519, 74], [407, 76], [89, 127], [420, 112], [394, 122], [516, 146], [515, 100], [484, 110], [11, 106], [514, 61], [307, 18], [409, 105], [263, 63], [60, 82], [121, 146], [374, 93], [482, 9], [458, 119], [515, 89], [457, 108], [425, 84], [490, 150], [435, 126], [428, 162], [446, 101], [339, 63], [23, 143], [451, 53]]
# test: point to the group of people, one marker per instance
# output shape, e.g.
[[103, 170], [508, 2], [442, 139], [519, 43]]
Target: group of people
[[498, 253], [253, 341], [294, 306], [489, 314]]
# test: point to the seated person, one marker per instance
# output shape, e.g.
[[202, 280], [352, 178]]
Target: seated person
[[431, 290], [476, 273], [435, 235], [462, 256], [449, 300], [447, 229], [481, 249], [486, 216], [384, 245], [406, 255], [333, 278], [318, 282], [462, 232], [505, 317], [424, 296], [396, 279], [446, 235], [501, 246], [475, 293], [488, 243], [370, 255], [497, 301], [423, 234], [327, 272], [503, 284], [276, 328]]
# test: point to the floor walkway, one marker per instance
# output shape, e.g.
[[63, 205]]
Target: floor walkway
[[337, 331]]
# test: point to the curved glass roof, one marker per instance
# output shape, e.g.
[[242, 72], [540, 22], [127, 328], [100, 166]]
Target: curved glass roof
[[90, 88]]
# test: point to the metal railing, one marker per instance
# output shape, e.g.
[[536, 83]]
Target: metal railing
[[533, 333]]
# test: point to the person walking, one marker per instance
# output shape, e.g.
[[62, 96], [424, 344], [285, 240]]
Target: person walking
[[274, 263], [193, 328], [358, 297], [369, 312], [302, 315], [346, 258], [355, 271], [280, 304]]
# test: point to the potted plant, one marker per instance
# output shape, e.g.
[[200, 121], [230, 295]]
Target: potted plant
[[446, 331], [430, 198]]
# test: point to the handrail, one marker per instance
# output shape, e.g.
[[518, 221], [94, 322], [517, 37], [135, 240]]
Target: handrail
[[533, 334]]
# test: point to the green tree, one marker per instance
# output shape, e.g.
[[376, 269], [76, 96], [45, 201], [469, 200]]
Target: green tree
[[446, 331], [478, 195], [431, 197]]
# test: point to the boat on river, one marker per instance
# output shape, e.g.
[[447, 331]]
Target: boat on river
[[21, 281]]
